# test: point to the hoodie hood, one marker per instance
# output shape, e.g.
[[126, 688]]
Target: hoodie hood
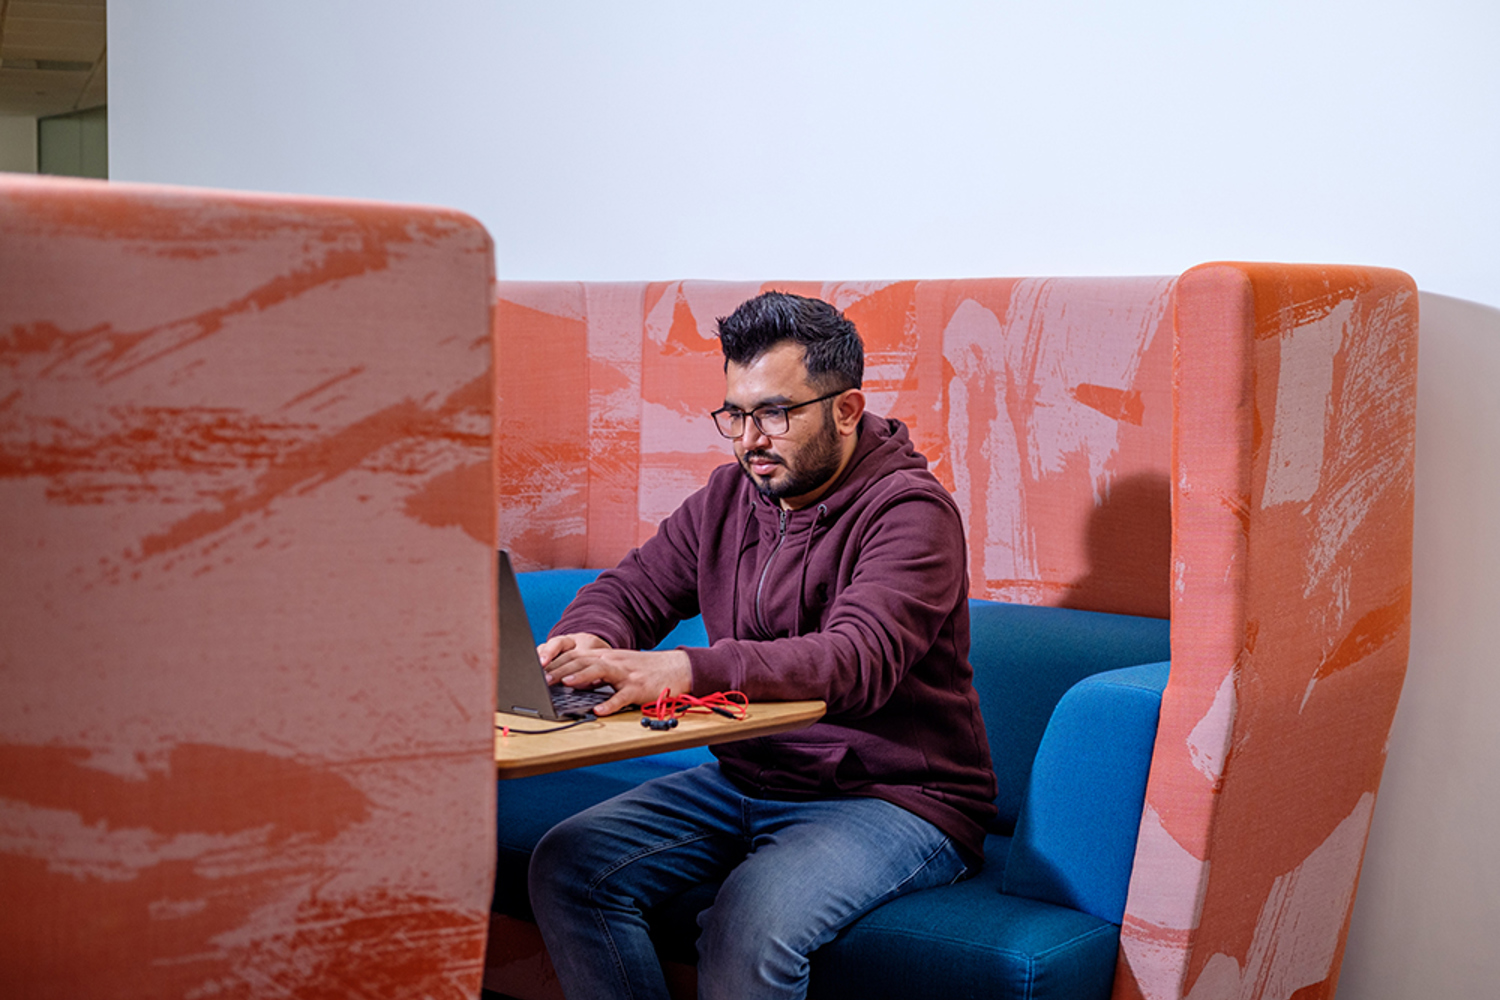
[[884, 446]]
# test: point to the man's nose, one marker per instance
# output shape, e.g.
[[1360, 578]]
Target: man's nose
[[752, 437]]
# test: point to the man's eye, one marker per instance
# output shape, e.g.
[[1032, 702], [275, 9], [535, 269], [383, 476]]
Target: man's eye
[[769, 412]]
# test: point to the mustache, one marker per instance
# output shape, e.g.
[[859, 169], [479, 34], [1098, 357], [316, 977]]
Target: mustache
[[763, 456]]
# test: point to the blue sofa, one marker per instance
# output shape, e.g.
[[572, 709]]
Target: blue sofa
[[1070, 700]]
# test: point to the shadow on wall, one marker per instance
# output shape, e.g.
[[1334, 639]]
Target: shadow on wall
[[1428, 907], [1129, 539]]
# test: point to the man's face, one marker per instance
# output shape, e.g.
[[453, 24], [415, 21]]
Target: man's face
[[789, 466]]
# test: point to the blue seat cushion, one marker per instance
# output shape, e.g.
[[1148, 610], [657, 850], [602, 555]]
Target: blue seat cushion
[[963, 940], [969, 940]]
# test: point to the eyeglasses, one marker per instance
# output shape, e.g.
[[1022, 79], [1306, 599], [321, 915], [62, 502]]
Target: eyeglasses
[[772, 421]]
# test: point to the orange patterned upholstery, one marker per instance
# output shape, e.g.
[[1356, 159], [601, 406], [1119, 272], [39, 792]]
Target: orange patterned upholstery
[[1233, 447], [1054, 437], [1291, 555], [247, 632]]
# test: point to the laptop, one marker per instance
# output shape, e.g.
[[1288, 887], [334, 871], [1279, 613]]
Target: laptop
[[522, 683]]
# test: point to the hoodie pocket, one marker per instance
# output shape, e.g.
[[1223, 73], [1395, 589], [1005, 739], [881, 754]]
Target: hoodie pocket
[[811, 767]]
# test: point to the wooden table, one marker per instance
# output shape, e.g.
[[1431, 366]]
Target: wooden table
[[619, 736]]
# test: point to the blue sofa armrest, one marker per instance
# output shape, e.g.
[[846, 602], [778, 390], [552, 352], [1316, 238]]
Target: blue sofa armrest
[[1025, 659], [1074, 843]]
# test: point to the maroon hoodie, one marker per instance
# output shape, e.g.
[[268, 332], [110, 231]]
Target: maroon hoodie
[[860, 600]]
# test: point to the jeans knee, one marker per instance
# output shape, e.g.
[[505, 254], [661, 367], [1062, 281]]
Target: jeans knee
[[554, 865], [735, 951]]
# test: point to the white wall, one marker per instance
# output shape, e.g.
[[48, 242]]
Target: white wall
[[849, 137], [879, 139], [1428, 908]]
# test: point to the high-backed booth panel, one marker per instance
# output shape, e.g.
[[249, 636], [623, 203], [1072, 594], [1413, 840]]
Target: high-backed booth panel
[[1231, 447], [247, 627], [1294, 436]]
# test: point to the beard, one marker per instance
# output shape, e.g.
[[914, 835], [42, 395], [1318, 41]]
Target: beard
[[808, 468]]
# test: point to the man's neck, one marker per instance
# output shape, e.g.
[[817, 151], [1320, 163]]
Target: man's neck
[[808, 499]]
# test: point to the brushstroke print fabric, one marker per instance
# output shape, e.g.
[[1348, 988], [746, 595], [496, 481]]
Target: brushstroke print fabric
[[246, 643]]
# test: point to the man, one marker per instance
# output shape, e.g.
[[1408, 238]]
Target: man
[[829, 564]]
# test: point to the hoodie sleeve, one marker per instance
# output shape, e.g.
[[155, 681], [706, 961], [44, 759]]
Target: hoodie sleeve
[[655, 586], [909, 573]]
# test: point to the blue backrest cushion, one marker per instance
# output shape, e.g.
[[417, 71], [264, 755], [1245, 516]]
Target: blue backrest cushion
[[1075, 842], [1025, 658], [547, 593]]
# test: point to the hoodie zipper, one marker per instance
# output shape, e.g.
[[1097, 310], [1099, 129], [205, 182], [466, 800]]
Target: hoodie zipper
[[766, 571]]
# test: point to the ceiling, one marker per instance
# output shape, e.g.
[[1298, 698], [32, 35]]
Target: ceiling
[[51, 56]]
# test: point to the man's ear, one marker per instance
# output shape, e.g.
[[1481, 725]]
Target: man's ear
[[847, 410]]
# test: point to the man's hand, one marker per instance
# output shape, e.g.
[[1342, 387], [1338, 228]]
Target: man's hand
[[581, 660]]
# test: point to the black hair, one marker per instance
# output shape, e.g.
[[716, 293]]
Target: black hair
[[834, 355]]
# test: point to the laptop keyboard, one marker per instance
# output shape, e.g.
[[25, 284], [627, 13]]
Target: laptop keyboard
[[566, 701]]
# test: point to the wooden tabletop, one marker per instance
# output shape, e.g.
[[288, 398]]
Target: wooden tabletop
[[619, 736]]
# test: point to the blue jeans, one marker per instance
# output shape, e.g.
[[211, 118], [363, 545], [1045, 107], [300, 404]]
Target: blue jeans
[[794, 874]]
